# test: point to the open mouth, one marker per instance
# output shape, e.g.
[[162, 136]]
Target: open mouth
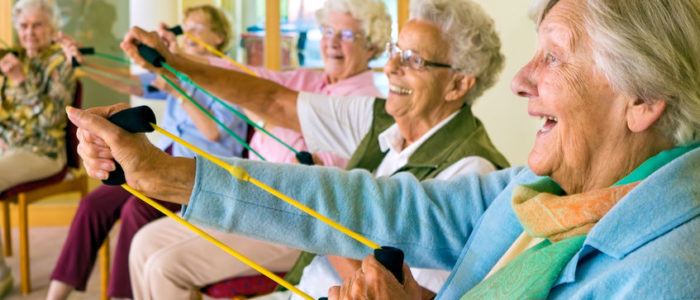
[[399, 90], [549, 123]]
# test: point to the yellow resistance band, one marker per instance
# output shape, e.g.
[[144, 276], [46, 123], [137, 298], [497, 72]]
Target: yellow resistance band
[[218, 53], [243, 175], [211, 239]]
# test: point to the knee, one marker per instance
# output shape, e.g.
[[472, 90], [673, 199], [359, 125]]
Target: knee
[[139, 250], [160, 266]]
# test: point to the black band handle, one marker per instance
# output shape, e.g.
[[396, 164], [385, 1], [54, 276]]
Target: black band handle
[[87, 50], [135, 119], [392, 259], [151, 89], [177, 30], [305, 158], [84, 51], [151, 55]]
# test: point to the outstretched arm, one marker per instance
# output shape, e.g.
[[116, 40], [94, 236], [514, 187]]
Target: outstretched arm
[[266, 99]]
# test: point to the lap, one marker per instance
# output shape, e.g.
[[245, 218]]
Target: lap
[[19, 166]]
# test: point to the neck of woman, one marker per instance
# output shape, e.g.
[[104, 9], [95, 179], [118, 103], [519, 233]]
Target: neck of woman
[[413, 128]]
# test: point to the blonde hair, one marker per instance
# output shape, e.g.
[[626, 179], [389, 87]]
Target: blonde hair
[[219, 23]]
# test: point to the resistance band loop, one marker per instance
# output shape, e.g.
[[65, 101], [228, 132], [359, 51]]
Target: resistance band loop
[[183, 93], [214, 241], [142, 119], [178, 30], [211, 116], [187, 80], [244, 176]]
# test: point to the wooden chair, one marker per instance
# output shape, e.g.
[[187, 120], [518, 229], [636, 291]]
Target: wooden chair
[[70, 179]]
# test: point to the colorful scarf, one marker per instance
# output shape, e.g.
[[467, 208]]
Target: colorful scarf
[[563, 220]]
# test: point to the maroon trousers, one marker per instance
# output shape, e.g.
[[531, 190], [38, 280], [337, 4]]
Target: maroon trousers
[[96, 215]]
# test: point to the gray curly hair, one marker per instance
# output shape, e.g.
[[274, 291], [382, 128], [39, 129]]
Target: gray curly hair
[[49, 9], [373, 15], [648, 49], [474, 44]]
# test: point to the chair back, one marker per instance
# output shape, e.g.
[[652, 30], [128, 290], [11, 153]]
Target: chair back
[[71, 131]]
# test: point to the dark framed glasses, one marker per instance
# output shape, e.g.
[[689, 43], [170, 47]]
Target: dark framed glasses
[[411, 59], [346, 35]]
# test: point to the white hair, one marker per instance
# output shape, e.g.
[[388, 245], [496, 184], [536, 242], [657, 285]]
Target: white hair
[[471, 34], [373, 16], [26, 5], [649, 50]]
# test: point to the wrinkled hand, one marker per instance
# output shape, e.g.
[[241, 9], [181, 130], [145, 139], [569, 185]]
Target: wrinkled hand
[[137, 36], [168, 37], [101, 141], [70, 47], [373, 281], [12, 68]]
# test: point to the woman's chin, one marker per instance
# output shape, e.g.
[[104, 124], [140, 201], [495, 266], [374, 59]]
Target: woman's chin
[[538, 163]]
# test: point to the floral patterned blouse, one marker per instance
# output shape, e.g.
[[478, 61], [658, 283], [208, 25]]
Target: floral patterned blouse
[[32, 113]]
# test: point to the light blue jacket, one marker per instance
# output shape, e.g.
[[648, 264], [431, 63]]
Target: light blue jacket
[[646, 247]]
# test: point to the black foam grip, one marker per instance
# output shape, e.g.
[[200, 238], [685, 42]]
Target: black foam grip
[[151, 55], [87, 50], [4, 52], [74, 62], [135, 119], [392, 259], [151, 89], [177, 30], [305, 158]]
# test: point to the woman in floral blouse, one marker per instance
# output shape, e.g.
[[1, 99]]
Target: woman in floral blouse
[[37, 84]]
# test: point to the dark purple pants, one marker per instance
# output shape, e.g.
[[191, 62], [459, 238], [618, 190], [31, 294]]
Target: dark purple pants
[[96, 215]]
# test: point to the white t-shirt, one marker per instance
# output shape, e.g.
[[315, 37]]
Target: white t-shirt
[[338, 125]]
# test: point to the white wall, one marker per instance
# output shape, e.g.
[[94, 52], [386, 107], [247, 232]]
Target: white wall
[[504, 114]]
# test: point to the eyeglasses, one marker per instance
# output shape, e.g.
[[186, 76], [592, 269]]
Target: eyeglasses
[[346, 35], [413, 60]]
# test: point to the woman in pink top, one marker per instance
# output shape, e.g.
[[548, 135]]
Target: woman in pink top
[[167, 260]]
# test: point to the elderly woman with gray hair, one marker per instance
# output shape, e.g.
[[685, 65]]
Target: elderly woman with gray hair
[[608, 206], [36, 84]]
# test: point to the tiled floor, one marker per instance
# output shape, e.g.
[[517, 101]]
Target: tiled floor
[[45, 245]]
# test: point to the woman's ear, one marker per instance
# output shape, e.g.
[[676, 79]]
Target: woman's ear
[[459, 86], [219, 40], [642, 114]]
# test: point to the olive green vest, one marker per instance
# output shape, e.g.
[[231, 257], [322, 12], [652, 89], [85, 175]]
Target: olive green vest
[[461, 137]]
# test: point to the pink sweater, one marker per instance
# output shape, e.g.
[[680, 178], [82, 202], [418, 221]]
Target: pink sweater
[[308, 81]]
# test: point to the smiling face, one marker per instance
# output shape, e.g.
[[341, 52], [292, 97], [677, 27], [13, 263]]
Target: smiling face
[[585, 126], [420, 94], [343, 59], [198, 24], [34, 30]]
